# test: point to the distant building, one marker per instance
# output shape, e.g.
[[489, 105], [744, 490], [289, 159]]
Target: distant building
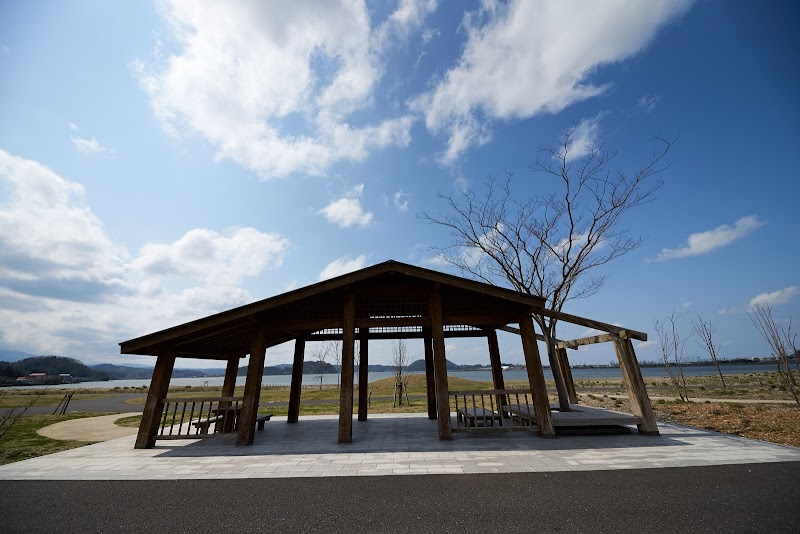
[[37, 376]]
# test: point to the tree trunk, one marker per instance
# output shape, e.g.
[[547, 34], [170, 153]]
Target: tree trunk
[[548, 330]]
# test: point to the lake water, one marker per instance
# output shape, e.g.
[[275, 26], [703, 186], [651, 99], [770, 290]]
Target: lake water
[[330, 379]]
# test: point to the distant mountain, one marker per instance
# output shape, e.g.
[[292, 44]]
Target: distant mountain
[[378, 368], [14, 355], [419, 366], [119, 372], [310, 367], [52, 366], [124, 372]]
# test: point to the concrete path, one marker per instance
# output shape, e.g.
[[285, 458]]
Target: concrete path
[[391, 445], [100, 428]]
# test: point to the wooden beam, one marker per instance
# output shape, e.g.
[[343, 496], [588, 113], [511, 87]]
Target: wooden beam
[[199, 351], [346, 391], [399, 335], [566, 374], [297, 380], [376, 322], [363, 373], [637, 391], [479, 321], [533, 363], [497, 367], [590, 340], [299, 325], [159, 386], [590, 323], [440, 366], [231, 372], [252, 388], [430, 374], [512, 330]]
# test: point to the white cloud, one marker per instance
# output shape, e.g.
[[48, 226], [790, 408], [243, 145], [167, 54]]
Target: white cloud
[[275, 86], [703, 242], [66, 288], [584, 137], [461, 183], [88, 146], [214, 258], [647, 103], [642, 345], [518, 61], [437, 261], [347, 211], [72, 126], [401, 201], [782, 296], [343, 265], [46, 229], [730, 310]]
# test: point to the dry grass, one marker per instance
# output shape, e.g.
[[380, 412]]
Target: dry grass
[[776, 423], [768, 422]]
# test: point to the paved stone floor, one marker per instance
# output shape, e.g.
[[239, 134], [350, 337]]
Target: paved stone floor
[[391, 445]]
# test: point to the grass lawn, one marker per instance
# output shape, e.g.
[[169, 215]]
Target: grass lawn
[[22, 442]]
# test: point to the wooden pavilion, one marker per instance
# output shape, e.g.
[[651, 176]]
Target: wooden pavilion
[[390, 300]]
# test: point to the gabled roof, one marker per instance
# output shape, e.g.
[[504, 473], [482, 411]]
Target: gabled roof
[[225, 331]]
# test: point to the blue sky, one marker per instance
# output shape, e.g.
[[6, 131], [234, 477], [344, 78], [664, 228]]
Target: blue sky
[[163, 161]]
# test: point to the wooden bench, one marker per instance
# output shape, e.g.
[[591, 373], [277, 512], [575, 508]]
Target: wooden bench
[[471, 416], [261, 419], [523, 412], [203, 424]]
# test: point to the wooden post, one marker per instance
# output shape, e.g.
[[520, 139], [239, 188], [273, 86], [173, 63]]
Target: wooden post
[[228, 388], [430, 374], [363, 373], [252, 388], [541, 404], [497, 367], [159, 386], [440, 366], [566, 374], [637, 391], [348, 348], [231, 371], [297, 379]]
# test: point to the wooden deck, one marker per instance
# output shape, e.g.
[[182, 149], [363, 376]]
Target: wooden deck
[[580, 416]]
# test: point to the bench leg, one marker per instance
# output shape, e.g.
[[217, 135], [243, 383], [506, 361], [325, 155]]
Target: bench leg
[[260, 425]]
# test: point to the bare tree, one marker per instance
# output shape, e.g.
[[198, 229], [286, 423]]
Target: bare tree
[[399, 363], [546, 244], [11, 416], [705, 334], [783, 343], [321, 353], [335, 350], [671, 344]]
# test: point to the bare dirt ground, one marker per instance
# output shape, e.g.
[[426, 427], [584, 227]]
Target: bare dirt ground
[[777, 423]]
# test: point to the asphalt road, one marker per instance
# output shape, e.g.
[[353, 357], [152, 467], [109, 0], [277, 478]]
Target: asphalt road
[[754, 498]]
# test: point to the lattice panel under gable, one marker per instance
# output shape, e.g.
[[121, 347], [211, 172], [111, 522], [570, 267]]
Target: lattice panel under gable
[[392, 307]]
